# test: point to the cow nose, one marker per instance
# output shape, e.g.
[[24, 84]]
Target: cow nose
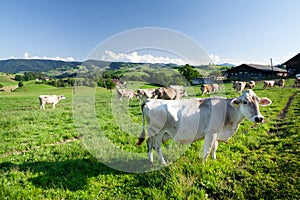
[[258, 119]]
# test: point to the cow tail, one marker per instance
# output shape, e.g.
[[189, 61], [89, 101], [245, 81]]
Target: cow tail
[[143, 134]]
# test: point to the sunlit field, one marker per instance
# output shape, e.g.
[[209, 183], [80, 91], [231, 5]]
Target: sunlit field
[[42, 155]]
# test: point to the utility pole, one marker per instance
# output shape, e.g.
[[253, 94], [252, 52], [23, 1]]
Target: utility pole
[[272, 66]]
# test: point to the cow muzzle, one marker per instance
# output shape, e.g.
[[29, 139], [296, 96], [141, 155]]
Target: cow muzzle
[[258, 119]]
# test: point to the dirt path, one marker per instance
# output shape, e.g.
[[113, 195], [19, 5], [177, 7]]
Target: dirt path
[[286, 108]]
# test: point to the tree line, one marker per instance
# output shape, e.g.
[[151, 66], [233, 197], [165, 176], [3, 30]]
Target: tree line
[[105, 79]]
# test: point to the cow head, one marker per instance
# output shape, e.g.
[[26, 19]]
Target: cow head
[[62, 97], [248, 103]]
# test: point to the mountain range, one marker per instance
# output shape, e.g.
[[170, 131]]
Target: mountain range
[[40, 65]]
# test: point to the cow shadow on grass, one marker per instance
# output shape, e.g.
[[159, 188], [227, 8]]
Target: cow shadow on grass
[[70, 174]]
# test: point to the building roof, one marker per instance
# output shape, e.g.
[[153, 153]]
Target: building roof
[[296, 58], [261, 67]]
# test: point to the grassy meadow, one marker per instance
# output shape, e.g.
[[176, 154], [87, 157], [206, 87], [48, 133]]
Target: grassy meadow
[[42, 155]]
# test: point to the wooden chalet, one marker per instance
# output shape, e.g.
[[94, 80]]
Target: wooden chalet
[[293, 65], [254, 71]]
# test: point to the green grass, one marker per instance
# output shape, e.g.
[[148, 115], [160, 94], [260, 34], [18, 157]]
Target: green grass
[[41, 156], [6, 80]]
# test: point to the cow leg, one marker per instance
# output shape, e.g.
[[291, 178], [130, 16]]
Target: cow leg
[[158, 140], [155, 142], [150, 147], [53, 106], [210, 139], [214, 150], [160, 156]]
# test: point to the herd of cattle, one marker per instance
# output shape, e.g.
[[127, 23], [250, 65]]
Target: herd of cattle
[[176, 91], [172, 92], [214, 119]]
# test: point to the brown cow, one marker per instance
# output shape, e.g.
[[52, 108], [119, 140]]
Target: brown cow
[[206, 89], [167, 93], [142, 94], [280, 83], [250, 85]]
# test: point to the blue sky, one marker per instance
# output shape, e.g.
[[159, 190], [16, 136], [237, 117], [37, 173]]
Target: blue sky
[[235, 31]]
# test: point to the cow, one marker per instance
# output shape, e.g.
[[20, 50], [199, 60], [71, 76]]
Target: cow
[[128, 93], [188, 120], [250, 85], [235, 84], [268, 84], [168, 93], [142, 94], [280, 83], [50, 99], [240, 86], [179, 88], [215, 87], [297, 82], [206, 89]]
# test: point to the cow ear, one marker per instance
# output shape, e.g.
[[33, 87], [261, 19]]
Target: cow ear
[[264, 101], [234, 102]]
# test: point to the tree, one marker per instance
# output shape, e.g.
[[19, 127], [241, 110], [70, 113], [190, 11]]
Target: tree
[[19, 77], [110, 84], [20, 84], [101, 83], [189, 72], [1, 85]]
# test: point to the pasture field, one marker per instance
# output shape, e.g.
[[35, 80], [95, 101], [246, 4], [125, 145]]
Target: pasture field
[[42, 156], [6, 80]]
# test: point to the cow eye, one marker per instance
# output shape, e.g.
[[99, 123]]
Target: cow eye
[[245, 102]]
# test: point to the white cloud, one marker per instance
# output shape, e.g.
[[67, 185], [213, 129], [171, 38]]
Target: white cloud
[[28, 56], [215, 58], [134, 57]]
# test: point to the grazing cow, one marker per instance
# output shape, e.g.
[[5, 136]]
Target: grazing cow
[[142, 94], [206, 89], [189, 120], [250, 85], [235, 84], [297, 82], [128, 93], [239, 86], [280, 83], [50, 99], [215, 87], [167, 93], [179, 88], [269, 84]]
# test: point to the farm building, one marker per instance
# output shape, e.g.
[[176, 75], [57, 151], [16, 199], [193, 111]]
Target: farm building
[[293, 65], [199, 81], [254, 71]]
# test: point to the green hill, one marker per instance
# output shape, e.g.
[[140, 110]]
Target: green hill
[[32, 65], [7, 80]]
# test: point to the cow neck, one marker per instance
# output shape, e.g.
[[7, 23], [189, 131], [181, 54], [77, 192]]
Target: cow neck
[[239, 118]]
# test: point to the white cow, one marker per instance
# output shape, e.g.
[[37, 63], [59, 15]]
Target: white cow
[[128, 93], [50, 99], [188, 120], [240, 86], [269, 84]]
